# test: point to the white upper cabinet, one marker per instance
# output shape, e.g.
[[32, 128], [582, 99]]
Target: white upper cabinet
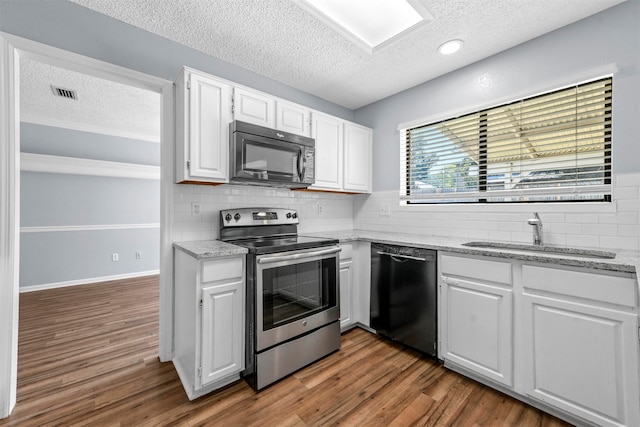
[[357, 158], [293, 118], [343, 155], [206, 105], [328, 133], [203, 114], [254, 107]]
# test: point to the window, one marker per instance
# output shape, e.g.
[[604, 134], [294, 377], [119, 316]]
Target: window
[[548, 148]]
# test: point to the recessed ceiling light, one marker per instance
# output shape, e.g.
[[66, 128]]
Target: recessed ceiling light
[[369, 23], [452, 46]]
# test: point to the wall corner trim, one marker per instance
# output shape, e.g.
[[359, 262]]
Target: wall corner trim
[[30, 162]]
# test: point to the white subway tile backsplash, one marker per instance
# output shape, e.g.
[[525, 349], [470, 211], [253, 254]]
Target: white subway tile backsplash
[[619, 242], [626, 193], [627, 180], [629, 230], [616, 225], [629, 218], [336, 209], [600, 229], [632, 205], [582, 241]]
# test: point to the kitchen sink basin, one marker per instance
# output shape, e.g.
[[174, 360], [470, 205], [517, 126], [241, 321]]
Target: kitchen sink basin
[[556, 250]]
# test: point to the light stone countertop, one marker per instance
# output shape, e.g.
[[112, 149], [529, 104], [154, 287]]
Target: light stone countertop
[[204, 249], [625, 261]]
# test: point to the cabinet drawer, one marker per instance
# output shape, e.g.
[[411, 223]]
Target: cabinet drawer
[[222, 269], [597, 287], [493, 271], [346, 251]]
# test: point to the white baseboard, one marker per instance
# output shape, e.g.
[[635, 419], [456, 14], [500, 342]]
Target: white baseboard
[[87, 281]]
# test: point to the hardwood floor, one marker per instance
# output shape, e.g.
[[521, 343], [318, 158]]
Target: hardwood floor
[[88, 356]]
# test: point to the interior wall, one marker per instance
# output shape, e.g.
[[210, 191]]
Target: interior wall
[[72, 224], [589, 48]]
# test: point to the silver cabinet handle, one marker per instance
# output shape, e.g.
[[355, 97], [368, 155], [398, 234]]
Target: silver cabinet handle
[[276, 258]]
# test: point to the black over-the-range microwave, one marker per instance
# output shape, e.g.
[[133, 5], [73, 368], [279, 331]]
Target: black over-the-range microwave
[[264, 156]]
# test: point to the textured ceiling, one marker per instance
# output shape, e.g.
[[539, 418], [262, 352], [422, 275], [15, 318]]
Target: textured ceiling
[[102, 106], [282, 41]]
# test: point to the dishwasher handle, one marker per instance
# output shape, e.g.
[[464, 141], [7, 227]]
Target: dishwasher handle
[[415, 258]]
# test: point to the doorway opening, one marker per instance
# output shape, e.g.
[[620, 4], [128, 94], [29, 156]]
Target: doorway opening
[[15, 51]]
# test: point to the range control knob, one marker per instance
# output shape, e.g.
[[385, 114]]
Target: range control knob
[[236, 217], [295, 215], [288, 214], [228, 217]]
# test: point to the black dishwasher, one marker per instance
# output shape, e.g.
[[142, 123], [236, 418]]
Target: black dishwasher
[[403, 295]]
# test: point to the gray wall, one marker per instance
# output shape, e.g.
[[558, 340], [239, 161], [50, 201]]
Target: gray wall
[[56, 141], [106, 214], [77, 29], [545, 63]]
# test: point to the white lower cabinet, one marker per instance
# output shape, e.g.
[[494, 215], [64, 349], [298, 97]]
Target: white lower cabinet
[[582, 353], [209, 321], [221, 351], [355, 284], [346, 286], [561, 338], [478, 316]]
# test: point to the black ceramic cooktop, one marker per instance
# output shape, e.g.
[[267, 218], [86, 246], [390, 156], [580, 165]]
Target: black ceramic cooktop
[[283, 244]]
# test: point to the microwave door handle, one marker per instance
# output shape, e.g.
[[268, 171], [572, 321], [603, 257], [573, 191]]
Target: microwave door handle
[[301, 165], [278, 258]]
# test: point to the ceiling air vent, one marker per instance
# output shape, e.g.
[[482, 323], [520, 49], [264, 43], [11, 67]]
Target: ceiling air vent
[[65, 93]]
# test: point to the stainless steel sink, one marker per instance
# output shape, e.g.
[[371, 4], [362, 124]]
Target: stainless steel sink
[[583, 253]]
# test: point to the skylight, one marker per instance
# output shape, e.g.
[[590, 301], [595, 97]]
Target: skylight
[[369, 24]]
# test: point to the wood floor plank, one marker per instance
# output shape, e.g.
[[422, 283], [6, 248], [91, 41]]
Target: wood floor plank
[[87, 356]]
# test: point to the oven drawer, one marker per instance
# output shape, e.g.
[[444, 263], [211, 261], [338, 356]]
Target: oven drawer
[[222, 269]]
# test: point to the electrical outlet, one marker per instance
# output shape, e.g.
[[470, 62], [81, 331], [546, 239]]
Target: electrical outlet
[[138, 255], [319, 206], [195, 208], [115, 257], [385, 210]]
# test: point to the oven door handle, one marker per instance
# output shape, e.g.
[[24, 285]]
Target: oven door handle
[[277, 258]]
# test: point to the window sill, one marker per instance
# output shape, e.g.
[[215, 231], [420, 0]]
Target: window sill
[[591, 207]]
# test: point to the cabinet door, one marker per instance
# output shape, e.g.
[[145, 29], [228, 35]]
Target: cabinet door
[[254, 107], [582, 359], [327, 132], [477, 323], [346, 293], [357, 158], [222, 344], [209, 116], [292, 118]]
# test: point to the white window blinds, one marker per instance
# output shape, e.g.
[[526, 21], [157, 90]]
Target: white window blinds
[[552, 147]]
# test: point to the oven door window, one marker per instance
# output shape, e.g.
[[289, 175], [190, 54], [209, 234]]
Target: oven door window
[[295, 291]]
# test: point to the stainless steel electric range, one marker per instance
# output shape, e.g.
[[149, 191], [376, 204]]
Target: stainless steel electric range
[[293, 287]]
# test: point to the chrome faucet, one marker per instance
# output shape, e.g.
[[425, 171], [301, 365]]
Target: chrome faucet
[[537, 229]]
